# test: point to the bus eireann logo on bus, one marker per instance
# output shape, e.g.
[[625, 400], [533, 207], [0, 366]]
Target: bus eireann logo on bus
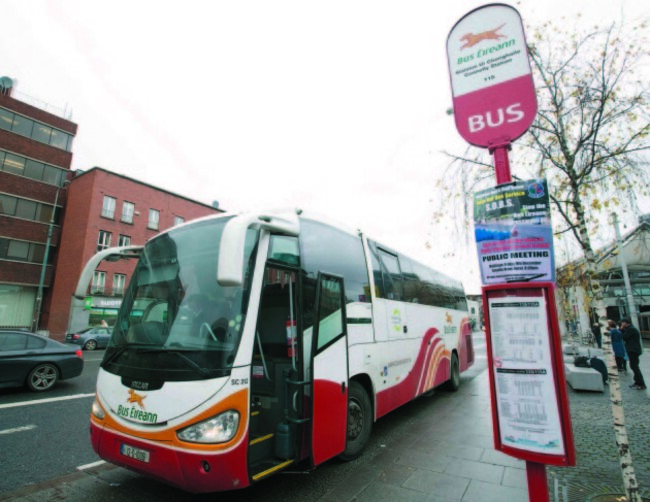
[[136, 398], [450, 328]]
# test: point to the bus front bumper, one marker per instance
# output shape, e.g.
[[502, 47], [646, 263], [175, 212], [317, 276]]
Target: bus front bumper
[[193, 471]]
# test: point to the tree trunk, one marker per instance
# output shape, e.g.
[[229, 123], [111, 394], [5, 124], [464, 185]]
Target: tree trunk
[[620, 431], [596, 302]]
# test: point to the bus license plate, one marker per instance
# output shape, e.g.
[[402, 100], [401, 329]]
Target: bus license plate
[[136, 453]]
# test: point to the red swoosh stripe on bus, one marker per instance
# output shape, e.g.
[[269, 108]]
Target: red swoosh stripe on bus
[[407, 389]]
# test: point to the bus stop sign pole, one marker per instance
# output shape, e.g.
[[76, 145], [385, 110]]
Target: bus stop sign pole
[[494, 104], [501, 162], [535, 471]]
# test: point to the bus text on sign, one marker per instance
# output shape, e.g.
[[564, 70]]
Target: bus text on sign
[[492, 86]]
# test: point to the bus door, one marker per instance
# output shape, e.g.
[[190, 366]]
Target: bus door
[[276, 393], [329, 370]]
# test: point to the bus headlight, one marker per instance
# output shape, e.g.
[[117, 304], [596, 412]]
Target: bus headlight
[[97, 411], [217, 429]]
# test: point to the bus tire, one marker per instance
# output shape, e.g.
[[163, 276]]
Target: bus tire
[[453, 384], [359, 421]]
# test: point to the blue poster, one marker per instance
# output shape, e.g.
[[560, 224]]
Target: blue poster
[[514, 237]]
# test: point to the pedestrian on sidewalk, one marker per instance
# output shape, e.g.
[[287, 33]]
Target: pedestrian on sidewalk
[[634, 348], [598, 335], [617, 345]]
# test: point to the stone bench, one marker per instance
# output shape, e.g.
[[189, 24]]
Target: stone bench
[[583, 378]]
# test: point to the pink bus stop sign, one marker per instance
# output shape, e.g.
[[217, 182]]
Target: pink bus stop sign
[[491, 81]]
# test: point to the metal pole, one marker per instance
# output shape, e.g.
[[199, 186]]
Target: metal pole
[[39, 296], [535, 471], [628, 287]]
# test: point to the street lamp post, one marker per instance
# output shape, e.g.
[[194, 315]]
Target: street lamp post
[[39, 295], [626, 277]]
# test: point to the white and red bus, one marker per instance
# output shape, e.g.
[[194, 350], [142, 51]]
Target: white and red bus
[[246, 344]]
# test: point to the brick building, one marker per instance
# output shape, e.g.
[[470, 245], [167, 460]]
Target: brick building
[[35, 159], [105, 209]]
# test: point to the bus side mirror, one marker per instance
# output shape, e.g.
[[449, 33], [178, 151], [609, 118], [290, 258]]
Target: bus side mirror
[[109, 254], [230, 271]]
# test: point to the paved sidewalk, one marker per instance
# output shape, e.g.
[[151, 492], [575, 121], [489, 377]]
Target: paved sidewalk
[[598, 470], [447, 456]]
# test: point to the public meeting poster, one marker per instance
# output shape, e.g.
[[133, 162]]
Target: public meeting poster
[[514, 237]]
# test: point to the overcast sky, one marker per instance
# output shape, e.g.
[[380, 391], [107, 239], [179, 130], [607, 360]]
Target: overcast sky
[[333, 106]]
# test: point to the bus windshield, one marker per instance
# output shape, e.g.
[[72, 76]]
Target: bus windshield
[[176, 322]]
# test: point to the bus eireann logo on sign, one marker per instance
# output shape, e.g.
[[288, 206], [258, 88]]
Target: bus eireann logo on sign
[[471, 39]]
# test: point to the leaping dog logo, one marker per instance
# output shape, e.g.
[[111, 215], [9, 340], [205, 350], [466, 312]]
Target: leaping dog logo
[[448, 318], [136, 398], [471, 39]]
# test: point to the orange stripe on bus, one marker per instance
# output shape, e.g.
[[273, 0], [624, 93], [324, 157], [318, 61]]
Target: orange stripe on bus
[[237, 401]]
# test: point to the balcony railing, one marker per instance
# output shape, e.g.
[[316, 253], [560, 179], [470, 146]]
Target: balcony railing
[[65, 113]]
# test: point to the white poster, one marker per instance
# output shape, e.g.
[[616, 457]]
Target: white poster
[[527, 405]]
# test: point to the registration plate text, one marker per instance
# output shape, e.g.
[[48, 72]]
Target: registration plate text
[[133, 452]]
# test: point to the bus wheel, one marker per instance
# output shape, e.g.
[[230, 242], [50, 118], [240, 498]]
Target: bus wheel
[[359, 421], [454, 381]]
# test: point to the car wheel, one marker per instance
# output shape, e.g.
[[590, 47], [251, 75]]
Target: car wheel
[[42, 377], [454, 380], [90, 345], [359, 421]]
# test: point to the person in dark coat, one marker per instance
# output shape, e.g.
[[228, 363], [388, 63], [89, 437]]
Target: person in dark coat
[[617, 345], [634, 348], [598, 335]]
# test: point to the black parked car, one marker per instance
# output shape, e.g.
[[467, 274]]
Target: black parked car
[[35, 361], [90, 338]]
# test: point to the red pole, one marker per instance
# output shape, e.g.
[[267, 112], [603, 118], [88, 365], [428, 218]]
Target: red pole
[[501, 162], [535, 472], [537, 485]]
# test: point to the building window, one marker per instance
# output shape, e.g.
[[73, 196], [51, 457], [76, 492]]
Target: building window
[[14, 164], [128, 208], [22, 166], [26, 209], [104, 240], [108, 208], [22, 125], [154, 218], [124, 241], [118, 284], [15, 250], [42, 133], [36, 130], [99, 281], [6, 119], [178, 220]]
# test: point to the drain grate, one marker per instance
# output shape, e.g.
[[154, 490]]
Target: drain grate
[[571, 491]]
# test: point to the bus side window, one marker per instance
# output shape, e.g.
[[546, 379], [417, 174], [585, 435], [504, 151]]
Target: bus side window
[[411, 281], [380, 291], [392, 276], [284, 249], [324, 248]]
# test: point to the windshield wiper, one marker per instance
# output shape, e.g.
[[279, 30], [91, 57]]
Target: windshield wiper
[[119, 350], [201, 371]]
